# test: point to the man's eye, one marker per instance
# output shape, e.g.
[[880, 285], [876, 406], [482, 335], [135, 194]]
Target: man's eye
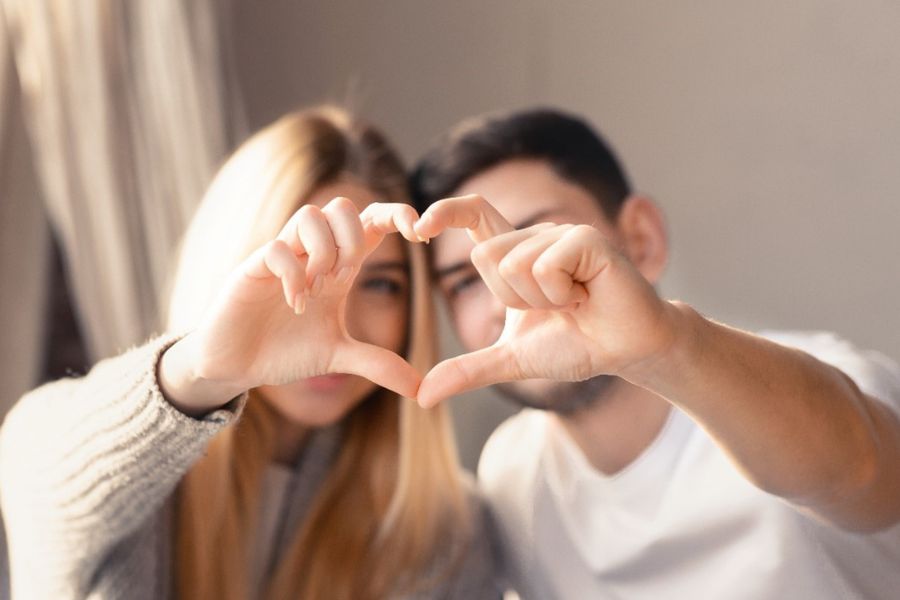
[[383, 285], [466, 283]]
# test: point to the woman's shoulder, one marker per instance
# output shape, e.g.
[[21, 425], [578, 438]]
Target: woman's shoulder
[[473, 558]]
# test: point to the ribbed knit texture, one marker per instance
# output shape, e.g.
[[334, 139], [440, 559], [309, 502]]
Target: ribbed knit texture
[[87, 469], [86, 466]]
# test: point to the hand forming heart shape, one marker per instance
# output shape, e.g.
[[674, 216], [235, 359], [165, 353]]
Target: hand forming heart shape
[[576, 306]]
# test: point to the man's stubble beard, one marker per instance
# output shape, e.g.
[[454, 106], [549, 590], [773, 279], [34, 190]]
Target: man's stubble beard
[[563, 398]]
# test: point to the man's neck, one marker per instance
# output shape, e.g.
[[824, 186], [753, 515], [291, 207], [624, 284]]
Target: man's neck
[[614, 431]]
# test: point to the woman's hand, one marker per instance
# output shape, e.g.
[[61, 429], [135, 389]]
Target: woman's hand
[[280, 316], [576, 307]]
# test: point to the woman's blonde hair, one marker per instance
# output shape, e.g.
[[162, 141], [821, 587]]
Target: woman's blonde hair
[[392, 498]]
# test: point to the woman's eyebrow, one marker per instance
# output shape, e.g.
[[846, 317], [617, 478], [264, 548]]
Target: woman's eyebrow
[[442, 272]]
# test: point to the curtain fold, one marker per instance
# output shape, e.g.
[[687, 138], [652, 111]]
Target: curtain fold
[[130, 106], [24, 249]]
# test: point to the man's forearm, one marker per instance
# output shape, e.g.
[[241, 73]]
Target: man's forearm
[[793, 425]]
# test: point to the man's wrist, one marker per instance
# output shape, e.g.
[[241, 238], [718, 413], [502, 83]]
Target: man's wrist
[[686, 326]]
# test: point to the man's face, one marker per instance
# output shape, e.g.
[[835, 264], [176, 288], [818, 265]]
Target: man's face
[[525, 192]]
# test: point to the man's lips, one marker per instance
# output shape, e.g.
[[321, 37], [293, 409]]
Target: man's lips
[[327, 383]]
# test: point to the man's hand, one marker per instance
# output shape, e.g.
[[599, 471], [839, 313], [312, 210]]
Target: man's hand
[[576, 307]]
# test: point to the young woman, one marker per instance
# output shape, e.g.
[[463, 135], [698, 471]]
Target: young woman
[[253, 456]]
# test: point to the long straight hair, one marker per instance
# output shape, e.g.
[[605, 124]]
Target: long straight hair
[[391, 500]]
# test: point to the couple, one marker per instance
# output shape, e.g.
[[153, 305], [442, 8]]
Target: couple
[[291, 443]]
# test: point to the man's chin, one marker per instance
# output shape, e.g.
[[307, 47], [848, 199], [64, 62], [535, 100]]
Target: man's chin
[[561, 397]]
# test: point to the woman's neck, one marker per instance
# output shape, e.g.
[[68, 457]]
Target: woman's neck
[[290, 439]]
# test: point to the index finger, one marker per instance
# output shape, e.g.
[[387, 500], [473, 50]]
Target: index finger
[[473, 213], [381, 218]]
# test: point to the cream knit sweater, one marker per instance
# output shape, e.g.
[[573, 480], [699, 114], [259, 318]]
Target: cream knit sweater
[[87, 469]]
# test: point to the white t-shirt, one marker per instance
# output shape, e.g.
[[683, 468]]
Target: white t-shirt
[[679, 522]]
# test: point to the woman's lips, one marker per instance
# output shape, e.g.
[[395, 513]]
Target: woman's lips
[[327, 383]]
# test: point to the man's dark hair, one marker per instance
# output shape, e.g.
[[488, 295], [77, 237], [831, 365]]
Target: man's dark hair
[[566, 143]]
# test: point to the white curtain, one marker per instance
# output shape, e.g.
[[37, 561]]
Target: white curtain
[[130, 105]]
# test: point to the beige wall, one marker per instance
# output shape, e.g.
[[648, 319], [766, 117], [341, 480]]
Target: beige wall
[[769, 131]]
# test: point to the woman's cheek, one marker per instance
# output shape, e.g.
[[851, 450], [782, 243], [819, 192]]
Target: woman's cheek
[[380, 323], [392, 330]]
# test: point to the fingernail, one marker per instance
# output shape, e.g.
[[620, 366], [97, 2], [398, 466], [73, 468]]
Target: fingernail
[[343, 275], [299, 304], [316, 288]]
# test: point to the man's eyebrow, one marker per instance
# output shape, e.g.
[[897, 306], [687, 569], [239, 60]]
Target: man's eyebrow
[[533, 219], [387, 265], [456, 267]]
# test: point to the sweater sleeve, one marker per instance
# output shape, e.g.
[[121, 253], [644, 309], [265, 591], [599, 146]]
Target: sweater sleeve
[[86, 462]]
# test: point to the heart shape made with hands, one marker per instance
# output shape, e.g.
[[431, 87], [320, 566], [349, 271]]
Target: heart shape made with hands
[[550, 277]]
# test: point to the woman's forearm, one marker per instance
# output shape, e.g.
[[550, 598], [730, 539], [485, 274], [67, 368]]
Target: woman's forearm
[[84, 462]]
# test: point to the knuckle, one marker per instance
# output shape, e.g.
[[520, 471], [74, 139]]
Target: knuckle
[[481, 255], [276, 248], [440, 205], [510, 266], [408, 212], [582, 230], [340, 205], [309, 212], [474, 203], [542, 268]]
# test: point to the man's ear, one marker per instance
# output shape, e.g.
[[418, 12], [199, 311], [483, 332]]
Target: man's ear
[[642, 228]]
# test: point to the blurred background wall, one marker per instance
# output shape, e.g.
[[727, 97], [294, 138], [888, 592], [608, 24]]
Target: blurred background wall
[[769, 132]]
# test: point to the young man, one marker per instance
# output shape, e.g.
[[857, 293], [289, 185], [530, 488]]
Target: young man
[[663, 455]]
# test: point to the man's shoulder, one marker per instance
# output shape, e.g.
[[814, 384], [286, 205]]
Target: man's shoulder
[[512, 455], [874, 373]]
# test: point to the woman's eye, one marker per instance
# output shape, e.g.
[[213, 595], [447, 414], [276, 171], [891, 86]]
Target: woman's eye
[[383, 285], [463, 284]]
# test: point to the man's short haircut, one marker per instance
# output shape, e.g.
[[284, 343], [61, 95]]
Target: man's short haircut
[[568, 144]]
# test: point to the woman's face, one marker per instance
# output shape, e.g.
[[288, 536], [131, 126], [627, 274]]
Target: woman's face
[[377, 313]]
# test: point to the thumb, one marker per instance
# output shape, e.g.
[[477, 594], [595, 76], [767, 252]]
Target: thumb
[[380, 366], [466, 372]]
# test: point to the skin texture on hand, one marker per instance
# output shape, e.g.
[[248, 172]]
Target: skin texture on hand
[[281, 315], [576, 307]]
